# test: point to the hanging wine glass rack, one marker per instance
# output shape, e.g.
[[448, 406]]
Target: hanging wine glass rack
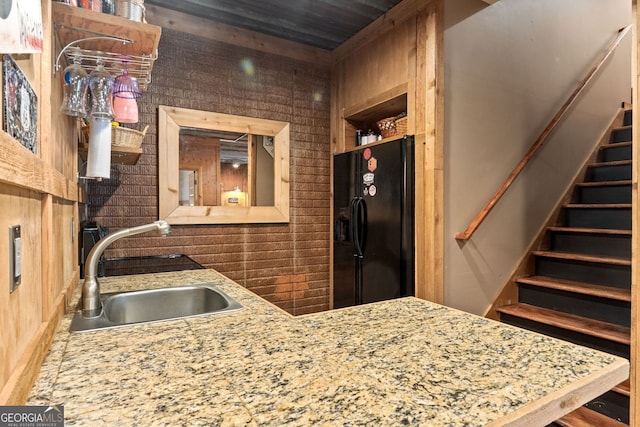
[[119, 41], [137, 66]]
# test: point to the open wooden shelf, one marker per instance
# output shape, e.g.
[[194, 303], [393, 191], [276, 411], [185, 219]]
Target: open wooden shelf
[[372, 144], [119, 155], [75, 23], [365, 115]]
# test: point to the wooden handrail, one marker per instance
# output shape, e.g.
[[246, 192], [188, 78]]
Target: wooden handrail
[[466, 234]]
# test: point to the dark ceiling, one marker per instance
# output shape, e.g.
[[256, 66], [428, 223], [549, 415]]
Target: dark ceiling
[[320, 23]]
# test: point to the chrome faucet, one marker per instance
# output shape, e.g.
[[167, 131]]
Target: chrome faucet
[[91, 305]]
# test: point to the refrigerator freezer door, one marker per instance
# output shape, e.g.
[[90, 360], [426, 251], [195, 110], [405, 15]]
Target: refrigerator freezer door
[[386, 176], [344, 261]]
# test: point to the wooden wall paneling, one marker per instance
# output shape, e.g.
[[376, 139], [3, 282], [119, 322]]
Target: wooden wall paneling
[[38, 192], [68, 210], [50, 273], [16, 390], [412, 74], [21, 310], [399, 14], [44, 172], [377, 67], [203, 155], [47, 150], [60, 218], [337, 133], [430, 125], [60, 269], [19, 167], [337, 109]]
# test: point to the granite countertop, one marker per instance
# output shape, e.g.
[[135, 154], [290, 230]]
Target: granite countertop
[[399, 362]]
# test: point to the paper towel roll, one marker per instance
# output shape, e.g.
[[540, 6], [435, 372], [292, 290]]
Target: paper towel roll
[[99, 157]]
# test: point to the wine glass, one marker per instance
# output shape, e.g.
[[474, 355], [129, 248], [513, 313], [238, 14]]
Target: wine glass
[[101, 87], [125, 93], [75, 89]]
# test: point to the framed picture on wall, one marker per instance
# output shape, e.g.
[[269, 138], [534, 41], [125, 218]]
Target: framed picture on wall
[[20, 105]]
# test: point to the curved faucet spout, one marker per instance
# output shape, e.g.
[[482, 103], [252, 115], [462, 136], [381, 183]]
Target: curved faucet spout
[[91, 305]]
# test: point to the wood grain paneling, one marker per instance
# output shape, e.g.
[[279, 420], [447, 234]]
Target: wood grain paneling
[[203, 155], [379, 66], [430, 123], [39, 193], [19, 167], [21, 310]]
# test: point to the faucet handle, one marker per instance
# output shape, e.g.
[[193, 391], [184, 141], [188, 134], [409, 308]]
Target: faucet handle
[[163, 227]]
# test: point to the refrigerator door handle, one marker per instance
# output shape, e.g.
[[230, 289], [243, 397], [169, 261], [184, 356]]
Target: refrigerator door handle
[[358, 226], [354, 225]]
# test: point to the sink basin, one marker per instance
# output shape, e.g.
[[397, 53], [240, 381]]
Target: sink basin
[[153, 305]]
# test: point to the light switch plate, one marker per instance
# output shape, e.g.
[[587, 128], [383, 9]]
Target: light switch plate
[[15, 257]]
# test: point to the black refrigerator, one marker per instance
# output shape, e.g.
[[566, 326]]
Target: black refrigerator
[[373, 239]]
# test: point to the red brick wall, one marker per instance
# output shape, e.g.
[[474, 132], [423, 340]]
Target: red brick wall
[[288, 264]]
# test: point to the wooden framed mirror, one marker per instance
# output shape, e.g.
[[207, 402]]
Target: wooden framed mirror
[[212, 168]]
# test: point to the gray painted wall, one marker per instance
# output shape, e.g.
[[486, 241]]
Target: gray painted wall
[[508, 69]]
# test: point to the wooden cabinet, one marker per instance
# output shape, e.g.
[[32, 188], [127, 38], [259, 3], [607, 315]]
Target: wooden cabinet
[[120, 42]]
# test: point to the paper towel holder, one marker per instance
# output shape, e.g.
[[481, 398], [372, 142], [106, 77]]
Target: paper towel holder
[[84, 177]]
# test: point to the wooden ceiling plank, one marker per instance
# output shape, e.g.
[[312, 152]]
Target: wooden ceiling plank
[[320, 23], [315, 30], [182, 22]]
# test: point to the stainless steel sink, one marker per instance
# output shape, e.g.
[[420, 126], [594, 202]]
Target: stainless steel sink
[[153, 305]]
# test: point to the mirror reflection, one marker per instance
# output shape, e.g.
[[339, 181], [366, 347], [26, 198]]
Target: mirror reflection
[[217, 168]]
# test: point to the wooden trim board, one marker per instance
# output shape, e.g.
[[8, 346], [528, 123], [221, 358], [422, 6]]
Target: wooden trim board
[[21, 168]]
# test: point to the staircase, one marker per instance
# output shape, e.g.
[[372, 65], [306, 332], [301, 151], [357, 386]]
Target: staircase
[[580, 290]]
